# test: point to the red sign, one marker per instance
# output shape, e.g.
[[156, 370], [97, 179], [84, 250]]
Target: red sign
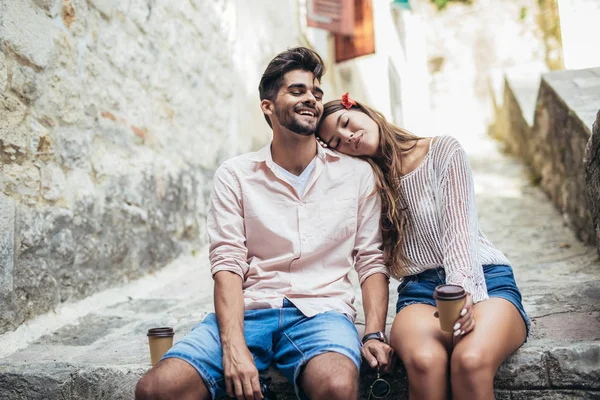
[[362, 41], [336, 16]]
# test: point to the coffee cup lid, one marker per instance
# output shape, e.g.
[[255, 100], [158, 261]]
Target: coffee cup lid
[[161, 332], [449, 292]]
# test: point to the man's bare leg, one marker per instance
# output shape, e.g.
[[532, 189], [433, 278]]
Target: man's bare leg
[[172, 379], [330, 376]]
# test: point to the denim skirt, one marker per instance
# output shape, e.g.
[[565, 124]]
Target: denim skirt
[[500, 281]]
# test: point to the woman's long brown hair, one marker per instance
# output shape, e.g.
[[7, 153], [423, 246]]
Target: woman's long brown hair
[[387, 166]]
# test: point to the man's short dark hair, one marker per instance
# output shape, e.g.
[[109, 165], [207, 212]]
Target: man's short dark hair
[[289, 60]]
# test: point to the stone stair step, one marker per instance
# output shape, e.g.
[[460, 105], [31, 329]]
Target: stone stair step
[[110, 370]]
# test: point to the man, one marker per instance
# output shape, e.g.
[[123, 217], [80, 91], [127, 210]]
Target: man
[[286, 224]]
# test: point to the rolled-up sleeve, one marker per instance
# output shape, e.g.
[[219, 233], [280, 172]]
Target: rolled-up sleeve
[[368, 253], [227, 250]]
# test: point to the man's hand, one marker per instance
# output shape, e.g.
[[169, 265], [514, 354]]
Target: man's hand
[[241, 375], [378, 354]]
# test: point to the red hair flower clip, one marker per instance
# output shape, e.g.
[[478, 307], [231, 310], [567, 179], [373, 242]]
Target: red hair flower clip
[[348, 101]]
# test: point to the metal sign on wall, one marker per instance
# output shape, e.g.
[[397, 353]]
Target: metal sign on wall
[[351, 21], [362, 41], [336, 16]]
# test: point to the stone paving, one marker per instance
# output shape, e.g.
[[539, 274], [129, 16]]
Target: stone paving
[[97, 348]]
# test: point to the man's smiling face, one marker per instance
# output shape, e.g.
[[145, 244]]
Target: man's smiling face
[[299, 103]]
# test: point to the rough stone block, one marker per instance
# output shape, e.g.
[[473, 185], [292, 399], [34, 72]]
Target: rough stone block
[[12, 114], [62, 98], [592, 177], [106, 383], [7, 243], [73, 146], [51, 7], [13, 135], [18, 383], [40, 144], [22, 180], [104, 6], [511, 126], [53, 182], [502, 395], [24, 82], [525, 368], [140, 12], [13, 139], [27, 31], [554, 395], [524, 85], [576, 366], [32, 228], [3, 72], [35, 286], [76, 15]]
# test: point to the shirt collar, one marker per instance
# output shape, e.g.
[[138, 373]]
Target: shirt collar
[[265, 155]]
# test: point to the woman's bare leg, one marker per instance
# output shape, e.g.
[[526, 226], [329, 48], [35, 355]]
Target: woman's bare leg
[[423, 348], [499, 331]]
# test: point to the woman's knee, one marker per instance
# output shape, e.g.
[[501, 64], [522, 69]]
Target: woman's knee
[[426, 360], [471, 362]]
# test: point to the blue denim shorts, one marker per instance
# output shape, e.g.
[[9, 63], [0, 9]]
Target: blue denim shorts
[[500, 281], [283, 335]]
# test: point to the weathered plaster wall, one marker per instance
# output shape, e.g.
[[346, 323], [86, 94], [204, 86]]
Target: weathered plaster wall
[[113, 116]]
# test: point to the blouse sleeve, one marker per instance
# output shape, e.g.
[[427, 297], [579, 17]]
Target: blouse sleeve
[[460, 228]]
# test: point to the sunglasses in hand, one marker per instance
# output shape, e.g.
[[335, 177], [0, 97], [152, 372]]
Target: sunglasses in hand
[[380, 388]]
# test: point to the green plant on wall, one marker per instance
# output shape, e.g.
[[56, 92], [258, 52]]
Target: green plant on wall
[[549, 23], [441, 4]]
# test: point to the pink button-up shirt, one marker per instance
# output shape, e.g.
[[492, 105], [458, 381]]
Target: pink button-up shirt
[[297, 247]]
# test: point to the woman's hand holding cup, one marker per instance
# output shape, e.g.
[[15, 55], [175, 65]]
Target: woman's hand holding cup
[[466, 322], [454, 309]]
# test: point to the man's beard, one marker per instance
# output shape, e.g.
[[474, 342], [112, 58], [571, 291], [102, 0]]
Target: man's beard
[[294, 124]]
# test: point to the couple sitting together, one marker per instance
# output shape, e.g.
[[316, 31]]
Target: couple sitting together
[[340, 187]]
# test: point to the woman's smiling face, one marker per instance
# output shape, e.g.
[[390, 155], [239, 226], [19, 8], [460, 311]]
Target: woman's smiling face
[[350, 132]]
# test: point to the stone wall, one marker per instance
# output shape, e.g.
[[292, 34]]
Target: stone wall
[[511, 124], [113, 116], [554, 144], [592, 177]]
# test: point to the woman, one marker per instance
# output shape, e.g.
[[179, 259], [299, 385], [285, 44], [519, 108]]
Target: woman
[[431, 236]]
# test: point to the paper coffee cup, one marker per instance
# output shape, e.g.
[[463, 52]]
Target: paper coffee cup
[[450, 300], [160, 341]]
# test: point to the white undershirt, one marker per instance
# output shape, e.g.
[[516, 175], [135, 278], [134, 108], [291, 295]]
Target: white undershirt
[[299, 182]]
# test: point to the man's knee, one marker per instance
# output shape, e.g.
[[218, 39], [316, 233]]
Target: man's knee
[[331, 376], [171, 379], [145, 389], [340, 387]]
